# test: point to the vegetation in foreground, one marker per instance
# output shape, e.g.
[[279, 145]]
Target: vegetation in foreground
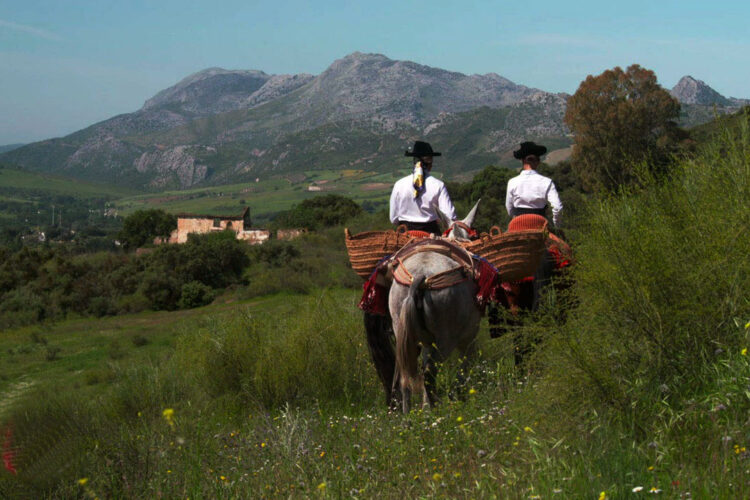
[[643, 388]]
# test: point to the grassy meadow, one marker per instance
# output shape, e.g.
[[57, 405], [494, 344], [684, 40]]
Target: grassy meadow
[[268, 196], [21, 180], [642, 389]]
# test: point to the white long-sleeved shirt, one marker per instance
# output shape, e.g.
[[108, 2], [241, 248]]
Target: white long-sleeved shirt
[[532, 190], [424, 208]]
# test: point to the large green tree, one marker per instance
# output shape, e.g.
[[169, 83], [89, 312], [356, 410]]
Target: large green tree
[[621, 119], [141, 227]]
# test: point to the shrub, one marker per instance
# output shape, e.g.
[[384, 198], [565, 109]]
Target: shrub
[[195, 294], [662, 278]]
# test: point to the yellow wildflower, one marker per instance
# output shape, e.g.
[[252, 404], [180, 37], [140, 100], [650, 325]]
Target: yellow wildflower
[[83, 481], [472, 391], [459, 419], [528, 429], [744, 351], [437, 476], [322, 454], [322, 486], [168, 415], [603, 495], [650, 467]]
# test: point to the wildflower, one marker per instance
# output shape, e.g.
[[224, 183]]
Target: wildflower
[[322, 486], [472, 391], [262, 445], [557, 490], [637, 489], [416, 476], [437, 476], [603, 495], [168, 415], [459, 419], [744, 351], [528, 429], [650, 467], [83, 481], [747, 325], [654, 490], [322, 454]]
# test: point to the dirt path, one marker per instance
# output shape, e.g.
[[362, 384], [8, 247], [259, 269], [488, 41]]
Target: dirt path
[[14, 392]]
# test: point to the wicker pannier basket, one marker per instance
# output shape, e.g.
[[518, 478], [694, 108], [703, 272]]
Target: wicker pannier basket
[[516, 255], [368, 248]]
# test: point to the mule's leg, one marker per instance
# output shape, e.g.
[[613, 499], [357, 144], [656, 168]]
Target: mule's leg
[[379, 331], [468, 354], [405, 397], [431, 359]]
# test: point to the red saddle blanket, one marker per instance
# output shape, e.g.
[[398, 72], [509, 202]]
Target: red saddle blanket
[[485, 276]]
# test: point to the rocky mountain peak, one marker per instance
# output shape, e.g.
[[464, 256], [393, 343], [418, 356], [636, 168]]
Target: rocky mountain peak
[[692, 91], [212, 90]]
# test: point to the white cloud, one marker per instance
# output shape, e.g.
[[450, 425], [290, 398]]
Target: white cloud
[[38, 32]]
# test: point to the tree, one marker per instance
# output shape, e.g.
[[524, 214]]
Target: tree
[[620, 119], [141, 227], [318, 212]]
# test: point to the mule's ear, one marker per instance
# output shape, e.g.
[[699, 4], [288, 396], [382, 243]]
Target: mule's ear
[[444, 219], [469, 220]]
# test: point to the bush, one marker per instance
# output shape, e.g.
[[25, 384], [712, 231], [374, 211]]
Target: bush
[[319, 212], [662, 282], [195, 294]]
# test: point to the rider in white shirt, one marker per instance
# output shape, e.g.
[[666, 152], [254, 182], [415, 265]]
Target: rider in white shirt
[[529, 192], [416, 198]]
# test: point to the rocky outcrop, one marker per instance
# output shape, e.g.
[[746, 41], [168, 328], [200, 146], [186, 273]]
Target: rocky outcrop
[[166, 166]]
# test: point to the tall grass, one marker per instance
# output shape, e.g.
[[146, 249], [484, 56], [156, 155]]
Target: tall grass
[[310, 350]]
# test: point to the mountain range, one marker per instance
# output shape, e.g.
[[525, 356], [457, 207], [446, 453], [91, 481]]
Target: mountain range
[[219, 126]]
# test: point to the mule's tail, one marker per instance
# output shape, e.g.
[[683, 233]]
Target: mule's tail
[[407, 344]]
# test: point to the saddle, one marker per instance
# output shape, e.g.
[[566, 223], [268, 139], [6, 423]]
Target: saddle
[[463, 270]]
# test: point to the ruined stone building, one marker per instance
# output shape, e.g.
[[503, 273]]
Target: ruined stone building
[[240, 224]]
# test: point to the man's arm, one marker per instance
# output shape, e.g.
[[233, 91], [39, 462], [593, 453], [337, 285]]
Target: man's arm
[[554, 200], [509, 197], [445, 204], [394, 205]]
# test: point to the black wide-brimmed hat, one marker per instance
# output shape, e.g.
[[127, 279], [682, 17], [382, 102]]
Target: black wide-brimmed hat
[[421, 149], [529, 148]]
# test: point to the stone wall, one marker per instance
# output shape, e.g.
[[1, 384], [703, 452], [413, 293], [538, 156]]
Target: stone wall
[[187, 225]]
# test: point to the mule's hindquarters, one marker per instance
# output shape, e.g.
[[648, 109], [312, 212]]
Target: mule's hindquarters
[[432, 321]]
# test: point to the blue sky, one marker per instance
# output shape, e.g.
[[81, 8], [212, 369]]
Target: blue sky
[[67, 64]]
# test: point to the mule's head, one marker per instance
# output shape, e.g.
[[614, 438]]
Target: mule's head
[[461, 230]]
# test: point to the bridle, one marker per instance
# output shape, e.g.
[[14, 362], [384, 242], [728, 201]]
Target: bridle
[[471, 232]]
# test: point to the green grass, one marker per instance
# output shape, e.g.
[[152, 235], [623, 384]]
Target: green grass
[[266, 197], [24, 180]]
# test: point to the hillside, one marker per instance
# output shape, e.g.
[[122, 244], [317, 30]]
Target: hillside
[[220, 126]]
